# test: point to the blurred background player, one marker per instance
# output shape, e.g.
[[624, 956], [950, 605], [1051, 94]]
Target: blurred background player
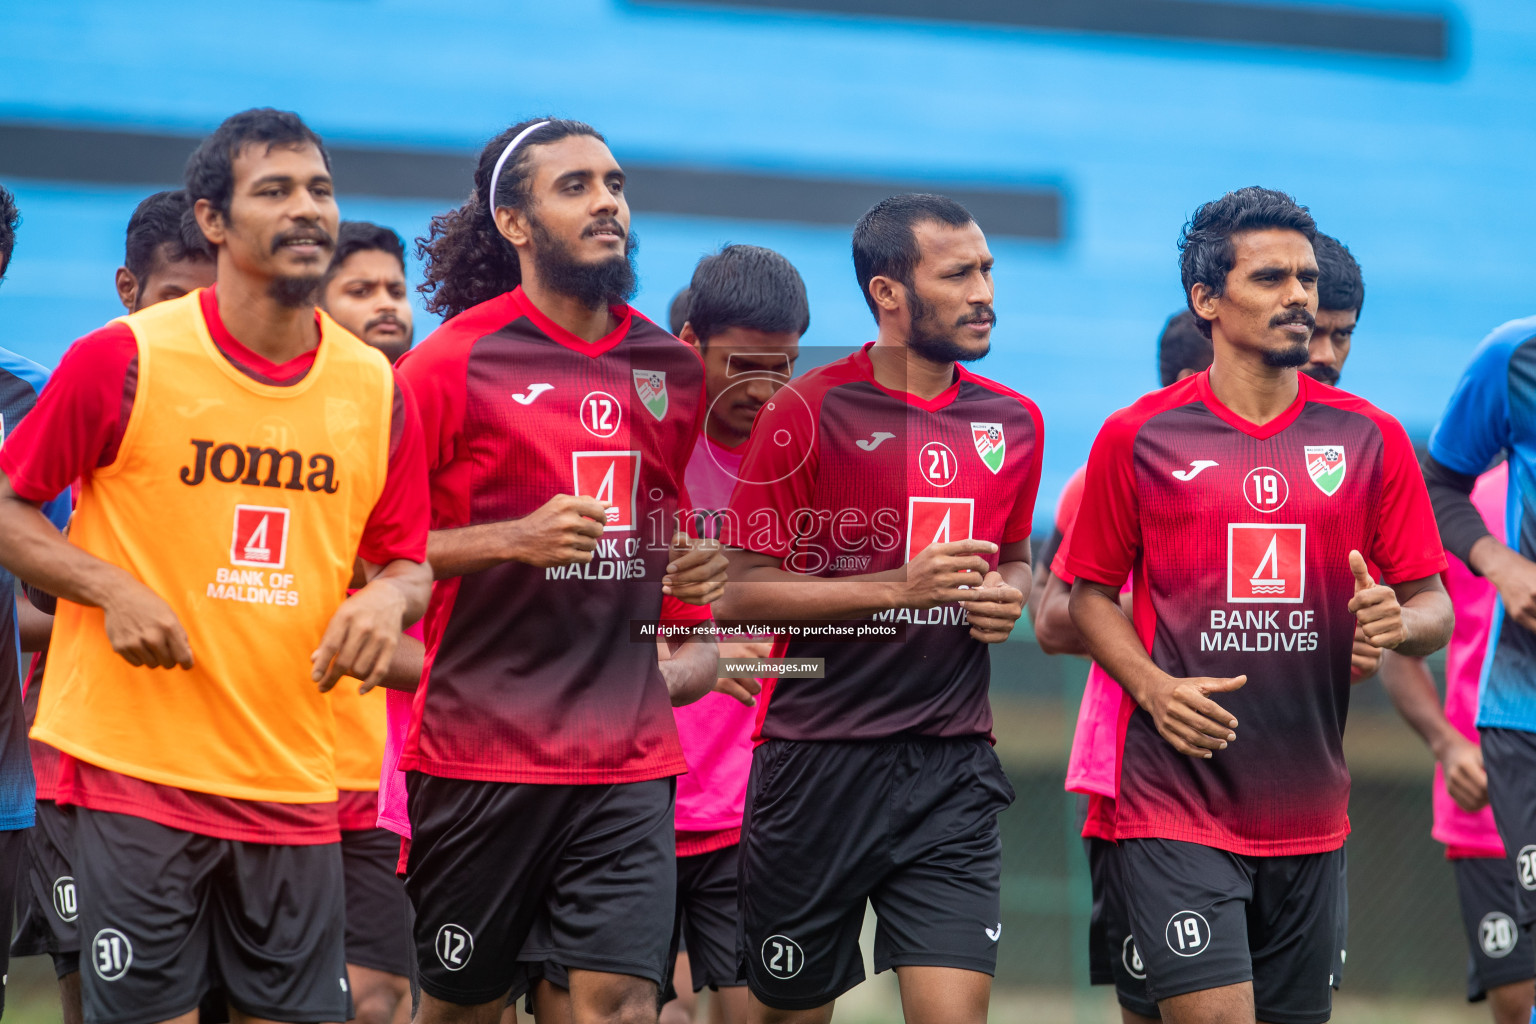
[[677, 312], [213, 786], [746, 313], [1230, 849], [1501, 958], [1340, 297], [364, 288], [542, 750], [165, 256], [364, 291], [876, 784], [1093, 764], [1489, 414], [21, 380]]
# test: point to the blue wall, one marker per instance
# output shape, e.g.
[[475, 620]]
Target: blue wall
[[1425, 170]]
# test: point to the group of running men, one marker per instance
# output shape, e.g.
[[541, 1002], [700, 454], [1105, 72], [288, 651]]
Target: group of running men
[[244, 741]]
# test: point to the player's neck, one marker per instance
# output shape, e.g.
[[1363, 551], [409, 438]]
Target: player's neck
[[900, 369], [1252, 388], [276, 332], [590, 325], [722, 434]]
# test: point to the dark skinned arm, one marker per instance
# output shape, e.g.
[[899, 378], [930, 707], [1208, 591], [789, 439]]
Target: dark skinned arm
[[1412, 691], [361, 638]]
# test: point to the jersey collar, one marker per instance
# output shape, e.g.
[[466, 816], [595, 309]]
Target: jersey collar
[[943, 398], [556, 333], [1259, 432]]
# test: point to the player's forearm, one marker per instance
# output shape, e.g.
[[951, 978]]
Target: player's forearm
[[471, 549], [1428, 620], [1411, 689], [1054, 629], [405, 665], [1111, 640], [412, 581], [690, 670], [1492, 559], [764, 594], [35, 551]]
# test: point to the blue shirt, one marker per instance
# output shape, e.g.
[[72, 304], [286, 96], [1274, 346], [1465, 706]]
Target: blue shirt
[[1493, 410], [20, 381]]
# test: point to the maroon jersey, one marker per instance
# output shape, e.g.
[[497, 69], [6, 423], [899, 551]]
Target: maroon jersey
[[845, 477], [532, 674], [1239, 537]]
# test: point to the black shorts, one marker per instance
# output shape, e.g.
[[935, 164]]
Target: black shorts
[[707, 908], [1205, 918], [908, 824], [1112, 955], [1509, 755], [46, 904], [513, 880], [165, 914], [13, 855], [378, 910], [1500, 951]]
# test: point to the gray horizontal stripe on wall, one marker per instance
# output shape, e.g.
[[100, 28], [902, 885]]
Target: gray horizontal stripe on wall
[[111, 156], [1422, 35]]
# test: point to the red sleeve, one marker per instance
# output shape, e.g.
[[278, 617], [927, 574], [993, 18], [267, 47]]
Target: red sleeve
[[681, 613], [436, 373], [79, 418], [1021, 520], [1071, 498], [1106, 536], [1407, 542], [397, 526], [782, 451]]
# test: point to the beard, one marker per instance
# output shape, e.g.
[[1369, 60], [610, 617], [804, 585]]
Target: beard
[[294, 292], [936, 342], [608, 282], [1296, 353]]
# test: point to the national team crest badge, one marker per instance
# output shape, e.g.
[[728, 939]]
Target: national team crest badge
[[1326, 466], [990, 444], [651, 386]]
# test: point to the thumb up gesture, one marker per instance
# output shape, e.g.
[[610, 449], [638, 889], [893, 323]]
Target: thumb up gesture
[[1375, 607]]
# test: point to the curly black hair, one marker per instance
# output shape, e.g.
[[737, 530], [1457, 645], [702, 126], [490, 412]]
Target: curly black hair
[[9, 218], [1205, 244], [466, 260]]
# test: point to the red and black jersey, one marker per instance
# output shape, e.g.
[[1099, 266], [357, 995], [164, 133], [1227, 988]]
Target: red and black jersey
[[845, 477], [1239, 536], [532, 675]]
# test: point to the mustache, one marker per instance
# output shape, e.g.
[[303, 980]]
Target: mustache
[[1296, 316], [605, 224], [316, 232], [384, 318], [978, 315]]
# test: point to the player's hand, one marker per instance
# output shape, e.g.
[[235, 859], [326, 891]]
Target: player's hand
[[562, 531], [360, 639], [1364, 659], [993, 609], [1515, 578], [1375, 607], [695, 570], [1188, 719], [143, 630], [944, 573], [742, 688], [1465, 778]]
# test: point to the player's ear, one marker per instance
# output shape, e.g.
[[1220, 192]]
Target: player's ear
[[1203, 300], [689, 336], [888, 295], [127, 288], [512, 225], [210, 221]]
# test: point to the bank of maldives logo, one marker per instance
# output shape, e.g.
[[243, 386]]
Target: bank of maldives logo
[[651, 386], [991, 445], [1266, 563], [1326, 466], [613, 478], [261, 537]]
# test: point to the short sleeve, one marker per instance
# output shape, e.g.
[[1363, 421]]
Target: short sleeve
[[79, 419], [1021, 518], [1106, 537], [1071, 498], [1476, 426], [776, 478], [1407, 542], [435, 373], [397, 526]]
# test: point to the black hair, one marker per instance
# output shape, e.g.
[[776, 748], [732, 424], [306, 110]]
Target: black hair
[[1182, 346], [210, 170], [884, 244], [1205, 244], [677, 312], [1340, 285], [467, 261], [362, 236], [163, 219], [747, 286], [10, 216]]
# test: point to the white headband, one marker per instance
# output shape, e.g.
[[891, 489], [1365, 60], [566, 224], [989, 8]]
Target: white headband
[[502, 161]]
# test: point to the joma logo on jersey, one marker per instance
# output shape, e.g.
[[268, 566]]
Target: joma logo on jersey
[[937, 521], [1266, 562], [260, 538], [231, 464], [613, 478]]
